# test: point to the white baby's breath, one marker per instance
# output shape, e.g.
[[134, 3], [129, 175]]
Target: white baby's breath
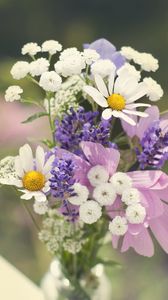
[[97, 175], [90, 56], [39, 66], [154, 90], [31, 49], [51, 46], [121, 182], [90, 212], [118, 226], [81, 196], [20, 70], [135, 213], [104, 194], [130, 196], [102, 67], [13, 93], [40, 208], [50, 81]]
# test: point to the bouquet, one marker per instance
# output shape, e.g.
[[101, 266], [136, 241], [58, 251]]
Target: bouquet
[[98, 179]]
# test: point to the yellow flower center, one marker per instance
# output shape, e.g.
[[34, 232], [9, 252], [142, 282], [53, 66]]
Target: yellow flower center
[[33, 181], [116, 102]]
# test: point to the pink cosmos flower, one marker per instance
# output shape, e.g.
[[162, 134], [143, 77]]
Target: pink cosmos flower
[[153, 189]]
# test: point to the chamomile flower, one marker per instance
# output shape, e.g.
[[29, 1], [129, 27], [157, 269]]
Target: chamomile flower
[[90, 56], [121, 182], [81, 196], [154, 90], [90, 212], [135, 213], [130, 196], [104, 194], [118, 99], [97, 175], [50, 81], [102, 67], [51, 46], [33, 174], [39, 66], [13, 93], [20, 70], [118, 226], [31, 49]]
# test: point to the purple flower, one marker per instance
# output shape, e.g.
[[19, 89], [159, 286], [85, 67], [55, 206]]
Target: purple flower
[[107, 51], [81, 126]]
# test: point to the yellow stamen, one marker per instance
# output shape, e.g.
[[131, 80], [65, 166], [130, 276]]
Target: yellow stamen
[[116, 102], [33, 181]]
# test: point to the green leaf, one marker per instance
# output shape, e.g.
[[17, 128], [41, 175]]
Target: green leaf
[[107, 263], [31, 101], [35, 116]]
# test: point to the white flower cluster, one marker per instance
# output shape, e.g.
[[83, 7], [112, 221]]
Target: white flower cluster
[[154, 90], [57, 233], [102, 67], [7, 170], [13, 93]]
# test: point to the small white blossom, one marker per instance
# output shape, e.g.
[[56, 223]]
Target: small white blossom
[[7, 170], [13, 93], [104, 194], [19, 70], [40, 207], [69, 52], [72, 65], [97, 175], [129, 69], [90, 212], [81, 196], [130, 196], [90, 56], [39, 66], [118, 226], [51, 46], [147, 62], [50, 81], [121, 182], [135, 213], [102, 67], [31, 49], [154, 90], [128, 52]]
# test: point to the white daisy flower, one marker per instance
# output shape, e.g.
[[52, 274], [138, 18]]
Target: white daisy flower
[[130, 196], [33, 174], [118, 226], [121, 182], [146, 61], [118, 99], [39, 66], [104, 194], [90, 212], [97, 175], [72, 65], [103, 67], [81, 196], [127, 68], [20, 70], [50, 81], [90, 56], [31, 49], [40, 208], [154, 90], [13, 93], [51, 46], [135, 213]]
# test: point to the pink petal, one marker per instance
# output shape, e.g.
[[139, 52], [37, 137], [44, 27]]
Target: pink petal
[[155, 205], [129, 129], [145, 179], [115, 240], [153, 115]]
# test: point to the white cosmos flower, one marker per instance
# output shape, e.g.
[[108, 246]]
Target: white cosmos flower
[[81, 196], [50, 81], [103, 67], [13, 93], [135, 213], [33, 174], [31, 49], [90, 56], [121, 182], [51, 46], [20, 70], [39, 66], [97, 175], [130, 196], [119, 97], [40, 208], [104, 194], [90, 212], [154, 90], [118, 226]]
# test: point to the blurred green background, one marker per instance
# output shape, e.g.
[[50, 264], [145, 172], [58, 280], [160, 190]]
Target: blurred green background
[[140, 24]]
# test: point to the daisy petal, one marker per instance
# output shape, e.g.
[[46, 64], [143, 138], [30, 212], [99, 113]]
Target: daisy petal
[[138, 93], [101, 85], [40, 158], [40, 197], [18, 167], [107, 113], [135, 105], [26, 157], [135, 113], [96, 95], [48, 164], [26, 196], [120, 114]]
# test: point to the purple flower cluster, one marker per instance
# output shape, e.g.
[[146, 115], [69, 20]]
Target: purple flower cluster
[[154, 147], [82, 126]]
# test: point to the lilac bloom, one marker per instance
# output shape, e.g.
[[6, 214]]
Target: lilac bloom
[[107, 51], [153, 188]]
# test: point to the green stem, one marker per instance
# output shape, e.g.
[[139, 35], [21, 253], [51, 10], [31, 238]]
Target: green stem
[[31, 215], [50, 119]]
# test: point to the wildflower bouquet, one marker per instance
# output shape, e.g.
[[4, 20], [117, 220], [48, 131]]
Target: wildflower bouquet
[[99, 176]]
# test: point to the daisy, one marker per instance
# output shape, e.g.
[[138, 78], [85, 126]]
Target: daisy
[[119, 97], [33, 174]]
